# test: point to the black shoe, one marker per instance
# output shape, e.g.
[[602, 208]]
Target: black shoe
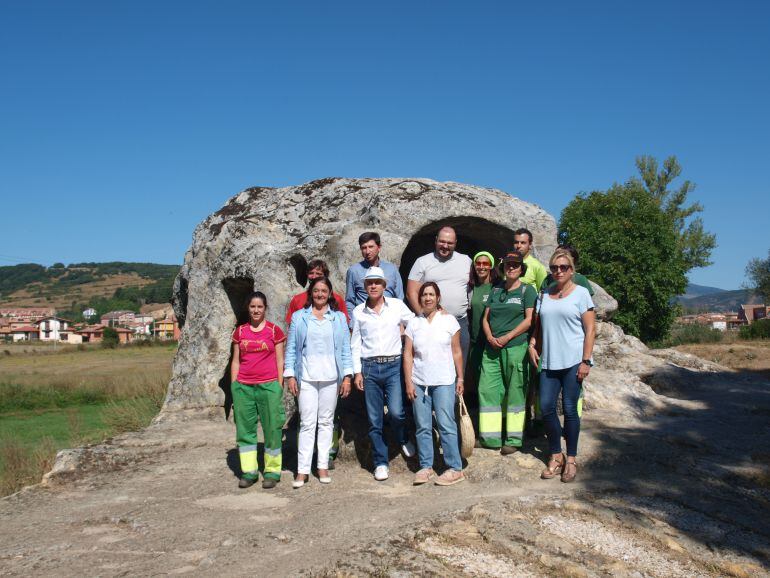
[[331, 464], [246, 482], [508, 450], [268, 483]]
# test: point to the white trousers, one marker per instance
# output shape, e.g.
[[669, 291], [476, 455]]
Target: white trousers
[[317, 402]]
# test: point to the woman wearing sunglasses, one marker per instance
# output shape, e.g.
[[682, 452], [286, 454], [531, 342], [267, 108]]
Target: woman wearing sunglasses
[[507, 318], [564, 342]]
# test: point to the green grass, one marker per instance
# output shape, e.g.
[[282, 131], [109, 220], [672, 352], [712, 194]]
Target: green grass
[[70, 400]]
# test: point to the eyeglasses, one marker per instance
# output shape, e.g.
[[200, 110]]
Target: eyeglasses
[[560, 268]]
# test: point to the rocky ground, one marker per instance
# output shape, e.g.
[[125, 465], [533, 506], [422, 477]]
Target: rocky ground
[[681, 491]]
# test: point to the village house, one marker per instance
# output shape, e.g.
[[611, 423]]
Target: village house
[[117, 318], [53, 328], [167, 328], [25, 333], [95, 334], [88, 313], [141, 325], [748, 314]]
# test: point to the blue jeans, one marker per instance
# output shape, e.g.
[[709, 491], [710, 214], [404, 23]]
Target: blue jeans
[[441, 399], [382, 385], [553, 381]]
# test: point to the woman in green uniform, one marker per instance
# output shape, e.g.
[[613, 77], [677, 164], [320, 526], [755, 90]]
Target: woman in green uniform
[[483, 277], [503, 380]]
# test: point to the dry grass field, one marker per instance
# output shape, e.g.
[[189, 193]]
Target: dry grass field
[[752, 356]]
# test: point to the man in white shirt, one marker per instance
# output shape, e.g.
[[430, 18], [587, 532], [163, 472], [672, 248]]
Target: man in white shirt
[[451, 271], [376, 345]]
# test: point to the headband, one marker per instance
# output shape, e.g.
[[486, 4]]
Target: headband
[[484, 254]]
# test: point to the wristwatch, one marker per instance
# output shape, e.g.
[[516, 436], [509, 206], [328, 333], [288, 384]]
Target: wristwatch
[[588, 362]]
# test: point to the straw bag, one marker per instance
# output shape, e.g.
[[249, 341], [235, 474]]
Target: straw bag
[[467, 434]]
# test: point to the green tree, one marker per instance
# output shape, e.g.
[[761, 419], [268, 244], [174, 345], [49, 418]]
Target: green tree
[[639, 240], [693, 241], [628, 244], [758, 273], [110, 339]]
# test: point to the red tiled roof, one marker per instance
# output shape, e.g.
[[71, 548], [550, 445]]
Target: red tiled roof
[[25, 329]]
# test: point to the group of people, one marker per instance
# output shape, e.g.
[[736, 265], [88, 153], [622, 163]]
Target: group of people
[[521, 334]]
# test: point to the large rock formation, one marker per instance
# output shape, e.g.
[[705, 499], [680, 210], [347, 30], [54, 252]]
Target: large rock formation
[[262, 239]]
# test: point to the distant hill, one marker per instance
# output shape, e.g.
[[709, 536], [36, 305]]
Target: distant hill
[[717, 301], [71, 288], [694, 290]]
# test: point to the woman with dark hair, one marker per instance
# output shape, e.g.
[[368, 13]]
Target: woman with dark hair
[[258, 348], [318, 368], [483, 277], [503, 378], [433, 363], [564, 343], [316, 268]]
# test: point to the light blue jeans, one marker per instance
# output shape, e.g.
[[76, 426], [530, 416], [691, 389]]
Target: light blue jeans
[[441, 399]]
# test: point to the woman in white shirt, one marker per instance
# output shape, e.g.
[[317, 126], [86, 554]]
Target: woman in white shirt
[[433, 365], [564, 343], [317, 367]]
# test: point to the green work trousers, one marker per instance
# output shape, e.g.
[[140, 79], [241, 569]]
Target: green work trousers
[[263, 403], [503, 390]]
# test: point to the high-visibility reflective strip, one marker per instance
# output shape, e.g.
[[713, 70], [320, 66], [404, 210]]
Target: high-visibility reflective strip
[[273, 463], [489, 422], [271, 452], [249, 462], [251, 448], [514, 434], [489, 409], [516, 408], [491, 435]]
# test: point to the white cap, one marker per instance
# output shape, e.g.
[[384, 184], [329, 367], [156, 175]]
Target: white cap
[[374, 273]]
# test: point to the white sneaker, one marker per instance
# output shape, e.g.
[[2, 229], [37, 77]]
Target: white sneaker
[[409, 450], [381, 473]]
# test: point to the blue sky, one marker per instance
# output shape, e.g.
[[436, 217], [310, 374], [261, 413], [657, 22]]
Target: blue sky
[[124, 124]]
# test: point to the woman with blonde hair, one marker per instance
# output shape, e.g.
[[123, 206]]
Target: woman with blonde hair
[[564, 342]]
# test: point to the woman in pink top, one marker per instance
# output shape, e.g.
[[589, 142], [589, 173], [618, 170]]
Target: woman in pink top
[[258, 348]]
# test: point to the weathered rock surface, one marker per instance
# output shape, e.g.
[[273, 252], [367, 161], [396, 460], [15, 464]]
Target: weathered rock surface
[[262, 239]]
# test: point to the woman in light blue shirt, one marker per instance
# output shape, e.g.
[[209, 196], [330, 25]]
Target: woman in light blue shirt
[[564, 343], [318, 367]]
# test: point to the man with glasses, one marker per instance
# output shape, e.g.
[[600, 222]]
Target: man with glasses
[[451, 271]]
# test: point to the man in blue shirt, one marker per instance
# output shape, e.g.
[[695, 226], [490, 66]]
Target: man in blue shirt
[[355, 293]]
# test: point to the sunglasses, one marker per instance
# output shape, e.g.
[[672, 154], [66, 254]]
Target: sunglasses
[[560, 268], [512, 265]]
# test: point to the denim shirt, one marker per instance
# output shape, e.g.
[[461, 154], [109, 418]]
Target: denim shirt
[[297, 340]]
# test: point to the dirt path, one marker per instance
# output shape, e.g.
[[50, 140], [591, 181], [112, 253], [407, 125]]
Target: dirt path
[[684, 493]]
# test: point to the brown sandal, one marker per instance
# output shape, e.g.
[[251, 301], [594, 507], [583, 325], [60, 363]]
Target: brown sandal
[[555, 467], [568, 478]]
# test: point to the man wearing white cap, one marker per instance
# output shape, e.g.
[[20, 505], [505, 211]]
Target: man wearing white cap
[[376, 344]]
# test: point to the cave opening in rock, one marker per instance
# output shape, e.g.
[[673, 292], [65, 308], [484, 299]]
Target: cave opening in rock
[[237, 290], [474, 234]]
